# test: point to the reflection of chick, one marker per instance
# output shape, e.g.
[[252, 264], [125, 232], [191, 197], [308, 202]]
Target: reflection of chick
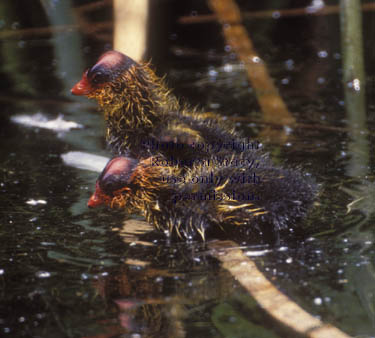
[[141, 113], [205, 198]]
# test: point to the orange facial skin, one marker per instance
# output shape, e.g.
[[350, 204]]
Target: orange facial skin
[[83, 87], [98, 198]]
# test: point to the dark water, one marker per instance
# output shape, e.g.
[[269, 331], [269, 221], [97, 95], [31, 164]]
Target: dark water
[[66, 271]]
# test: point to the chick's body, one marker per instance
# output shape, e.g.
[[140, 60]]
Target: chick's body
[[202, 199]]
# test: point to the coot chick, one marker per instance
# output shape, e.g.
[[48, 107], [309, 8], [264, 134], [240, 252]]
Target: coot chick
[[143, 117], [204, 198]]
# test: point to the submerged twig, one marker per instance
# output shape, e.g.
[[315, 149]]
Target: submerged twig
[[270, 299], [295, 126], [273, 13], [354, 81], [267, 94], [89, 28], [93, 6], [33, 32]]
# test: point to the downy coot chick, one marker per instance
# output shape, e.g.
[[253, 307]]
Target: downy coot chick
[[192, 203], [143, 117]]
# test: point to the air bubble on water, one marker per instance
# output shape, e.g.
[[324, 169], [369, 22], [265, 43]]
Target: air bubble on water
[[322, 54], [43, 274], [212, 73], [228, 68], [15, 25], [256, 59], [35, 202], [357, 85], [289, 64]]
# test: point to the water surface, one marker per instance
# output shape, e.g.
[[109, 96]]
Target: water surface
[[66, 271]]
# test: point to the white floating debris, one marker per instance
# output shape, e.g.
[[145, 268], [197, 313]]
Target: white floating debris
[[86, 161], [318, 301], [40, 121], [35, 202]]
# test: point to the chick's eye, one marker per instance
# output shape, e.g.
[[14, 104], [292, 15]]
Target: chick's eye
[[98, 78], [110, 184]]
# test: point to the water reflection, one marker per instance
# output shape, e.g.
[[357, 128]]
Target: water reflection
[[65, 273]]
